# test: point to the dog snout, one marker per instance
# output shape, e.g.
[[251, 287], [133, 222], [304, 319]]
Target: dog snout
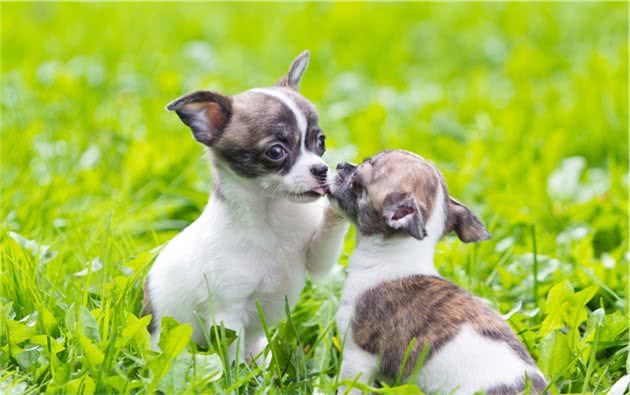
[[320, 171], [344, 168]]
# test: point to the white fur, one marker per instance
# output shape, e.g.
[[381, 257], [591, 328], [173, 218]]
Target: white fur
[[357, 365], [245, 246], [620, 386], [471, 362], [456, 367]]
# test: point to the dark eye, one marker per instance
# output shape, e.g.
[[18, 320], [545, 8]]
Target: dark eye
[[321, 142], [276, 152]]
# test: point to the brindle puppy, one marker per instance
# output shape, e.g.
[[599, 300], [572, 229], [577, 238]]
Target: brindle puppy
[[394, 297]]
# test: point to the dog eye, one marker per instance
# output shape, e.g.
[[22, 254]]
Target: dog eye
[[276, 152], [321, 142]]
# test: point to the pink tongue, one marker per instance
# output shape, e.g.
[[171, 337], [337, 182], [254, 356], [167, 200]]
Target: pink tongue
[[321, 190]]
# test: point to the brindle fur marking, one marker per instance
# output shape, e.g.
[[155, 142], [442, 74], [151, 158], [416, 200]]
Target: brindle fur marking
[[430, 309]]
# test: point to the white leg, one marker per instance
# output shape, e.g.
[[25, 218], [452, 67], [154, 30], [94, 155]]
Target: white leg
[[155, 335], [357, 365], [230, 321], [255, 343], [324, 248]]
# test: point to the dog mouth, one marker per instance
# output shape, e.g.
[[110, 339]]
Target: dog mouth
[[318, 191]]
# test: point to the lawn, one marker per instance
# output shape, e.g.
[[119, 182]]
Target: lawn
[[524, 108]]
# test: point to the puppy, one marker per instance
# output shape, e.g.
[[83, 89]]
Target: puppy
[[400, 206], [264, 226]]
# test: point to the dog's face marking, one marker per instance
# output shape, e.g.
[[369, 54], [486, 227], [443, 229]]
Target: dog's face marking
[[285, 99], [267, 137], [396, 193]]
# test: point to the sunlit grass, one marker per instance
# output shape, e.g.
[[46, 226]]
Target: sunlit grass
[[524, 107]]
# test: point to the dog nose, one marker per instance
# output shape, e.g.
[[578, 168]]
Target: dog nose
[[345, 166], [320, 171]]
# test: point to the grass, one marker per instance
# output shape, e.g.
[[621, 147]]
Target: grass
[[524, 107]]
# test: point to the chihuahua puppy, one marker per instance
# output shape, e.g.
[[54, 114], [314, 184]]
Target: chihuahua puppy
[[393, 295], [265, 225]]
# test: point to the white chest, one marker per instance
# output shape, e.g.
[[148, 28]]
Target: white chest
[[232, 264]]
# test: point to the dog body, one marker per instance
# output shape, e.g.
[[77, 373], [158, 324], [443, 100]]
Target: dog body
[[259, 257], [394, 296], [264, 227]]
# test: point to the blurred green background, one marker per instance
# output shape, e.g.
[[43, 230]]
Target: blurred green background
[[524, 107]]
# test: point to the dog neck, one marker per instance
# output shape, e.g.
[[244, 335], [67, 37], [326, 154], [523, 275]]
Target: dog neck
[[242, 203], [400, 256], [394, 256]]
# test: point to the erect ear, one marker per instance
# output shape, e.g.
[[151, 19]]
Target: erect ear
[[463, 222], [206, 114], [297, 68], [401, 212]]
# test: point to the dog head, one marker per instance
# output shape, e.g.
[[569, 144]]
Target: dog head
[[265, 137], [399, 193]]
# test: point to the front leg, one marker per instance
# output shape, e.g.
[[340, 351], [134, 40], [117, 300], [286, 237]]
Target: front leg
[[357, 365], [255, 343], [229, 320], [325, 246]]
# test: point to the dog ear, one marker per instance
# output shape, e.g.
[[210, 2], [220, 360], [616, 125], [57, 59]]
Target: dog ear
[[463, 222], [401, 212], [206, 114], [297, 68]]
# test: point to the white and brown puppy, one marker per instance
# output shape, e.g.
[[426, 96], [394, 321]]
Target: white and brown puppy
[[264, 226], [393, 294]]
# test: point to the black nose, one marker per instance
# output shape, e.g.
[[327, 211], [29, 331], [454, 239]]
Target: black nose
[[345, 166], [320, 171]]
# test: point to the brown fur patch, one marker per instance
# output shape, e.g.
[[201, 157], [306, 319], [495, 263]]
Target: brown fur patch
[[427, 308]]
